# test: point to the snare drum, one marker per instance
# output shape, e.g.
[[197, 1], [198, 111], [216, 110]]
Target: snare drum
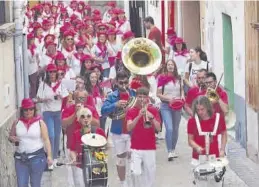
[[95, 172]]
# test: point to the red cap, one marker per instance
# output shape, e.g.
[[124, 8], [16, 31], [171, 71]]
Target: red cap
[[30, 36], [111, 4], [50, 35], [96, 12], [51, 67], [81, 3], [49, 44], [120, 11], [178, 40], [36, 25], [111, 32], [60, 56], [63, 10], [45, 22], [80, 44], [97, 18], [73, 17], [88, 7], [128, 35], [98, 66], [27, 103], [170, 31], [115, 11], [69, 33], [86, 57], [113, 23], [63, 29]]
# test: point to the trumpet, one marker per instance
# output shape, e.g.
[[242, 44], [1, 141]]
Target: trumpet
[[147, 123], [212, 93]]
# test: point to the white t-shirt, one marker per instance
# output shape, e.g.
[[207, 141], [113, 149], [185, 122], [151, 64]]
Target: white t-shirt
[[181, 62], [33, 65], [194, 70], [46, 92], [96, 51], [172, 89]]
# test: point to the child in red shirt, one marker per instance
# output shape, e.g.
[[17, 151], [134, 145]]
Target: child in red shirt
[[143, 141]]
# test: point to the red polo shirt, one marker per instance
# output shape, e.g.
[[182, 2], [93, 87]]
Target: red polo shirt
[[69, 111], [194, 92], [143, 138], [76, 143], [155, 34], [208, 126]]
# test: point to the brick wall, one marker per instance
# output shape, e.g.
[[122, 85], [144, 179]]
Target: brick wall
[[7, 173]]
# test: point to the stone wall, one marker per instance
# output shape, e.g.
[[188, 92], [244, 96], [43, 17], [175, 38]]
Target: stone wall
[[7, 170]]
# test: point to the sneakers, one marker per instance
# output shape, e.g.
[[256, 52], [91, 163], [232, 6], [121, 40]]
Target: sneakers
[[172, 155], [124, 184]]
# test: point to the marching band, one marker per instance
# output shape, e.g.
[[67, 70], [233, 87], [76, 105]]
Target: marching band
[[85, 69]]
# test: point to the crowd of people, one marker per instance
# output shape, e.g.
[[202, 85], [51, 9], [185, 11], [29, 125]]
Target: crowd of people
[[72, 43]]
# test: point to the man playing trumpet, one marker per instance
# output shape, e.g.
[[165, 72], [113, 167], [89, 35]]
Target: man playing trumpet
[[142, 121]]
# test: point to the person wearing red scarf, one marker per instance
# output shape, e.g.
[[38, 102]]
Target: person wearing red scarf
[[60, 61], [100, 53], [33, 58], [181, 55], [170, 90], [49, 56], [77, 57], [30, 135], [171, 36], [50, 93], [68, 45]]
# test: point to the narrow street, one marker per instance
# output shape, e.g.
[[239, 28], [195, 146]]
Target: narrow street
[[169, 174]]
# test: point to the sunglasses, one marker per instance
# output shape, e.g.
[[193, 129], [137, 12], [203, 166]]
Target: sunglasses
[[87, 116], [62, 74], [70, 38], [81, 99], [52, 71], [123, 82], [27, 109]]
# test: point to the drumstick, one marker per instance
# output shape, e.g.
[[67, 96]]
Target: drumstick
[[66, 164]]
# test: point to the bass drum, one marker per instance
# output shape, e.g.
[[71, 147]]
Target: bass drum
[[95, 172]]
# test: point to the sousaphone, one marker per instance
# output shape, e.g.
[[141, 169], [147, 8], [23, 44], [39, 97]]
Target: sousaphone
[[141, 56]]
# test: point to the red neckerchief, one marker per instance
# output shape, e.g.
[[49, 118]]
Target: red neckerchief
[[121, 22], [181, 53], [39, 38], [164, 79], [96, 91], [29, 122], [79, 55], [103, 49], [55, 87], [136, 83], [32, 48], [69, 48], [52, 57]]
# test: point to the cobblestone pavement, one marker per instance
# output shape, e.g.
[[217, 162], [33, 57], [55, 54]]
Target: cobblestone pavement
[[169, 174]]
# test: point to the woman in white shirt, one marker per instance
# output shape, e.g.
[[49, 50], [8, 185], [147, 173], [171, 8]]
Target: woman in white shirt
[[33, 58], [170, 90], [30, 135], [50, 94], [113, 47], [198, 61], [61, 62]]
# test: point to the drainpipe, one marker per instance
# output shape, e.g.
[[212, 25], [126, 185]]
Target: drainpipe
[[179, 18], [163, 21], [18, 50]]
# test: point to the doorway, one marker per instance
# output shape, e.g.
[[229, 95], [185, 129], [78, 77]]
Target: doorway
[[228, 58]]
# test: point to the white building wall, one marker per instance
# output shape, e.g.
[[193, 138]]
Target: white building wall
[[215, 43]]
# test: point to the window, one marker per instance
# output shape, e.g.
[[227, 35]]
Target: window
[[2, 12]]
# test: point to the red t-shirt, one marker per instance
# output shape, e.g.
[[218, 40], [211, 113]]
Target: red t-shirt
[[143, 138], [76, 143], [155, 34], [69, 111], [194, 92], [207, 126]]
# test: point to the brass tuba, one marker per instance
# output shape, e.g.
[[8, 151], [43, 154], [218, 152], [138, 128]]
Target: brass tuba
[[141, 56]]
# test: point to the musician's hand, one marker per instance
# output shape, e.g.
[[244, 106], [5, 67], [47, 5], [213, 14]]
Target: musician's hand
[[150, 115], [121, 103], [142, 112], [222, 153], [199, 150]]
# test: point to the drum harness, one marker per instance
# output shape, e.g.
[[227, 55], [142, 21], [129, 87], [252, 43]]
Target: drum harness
[[208, 136]]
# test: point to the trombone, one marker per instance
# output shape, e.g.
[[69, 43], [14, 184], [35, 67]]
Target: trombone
[[212, 93]]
